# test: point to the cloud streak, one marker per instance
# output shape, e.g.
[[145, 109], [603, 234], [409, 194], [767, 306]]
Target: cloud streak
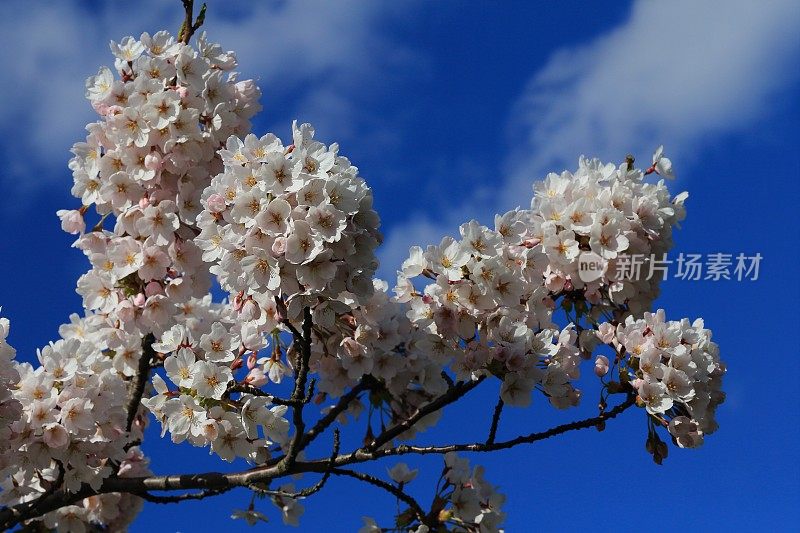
[[677, 73]]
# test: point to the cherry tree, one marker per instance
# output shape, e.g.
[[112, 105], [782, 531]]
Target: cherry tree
[[179, 193]]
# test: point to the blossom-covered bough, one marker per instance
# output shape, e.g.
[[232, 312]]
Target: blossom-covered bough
[[184, 193]]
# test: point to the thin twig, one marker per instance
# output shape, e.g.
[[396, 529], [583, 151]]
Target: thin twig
[[255, 391], [362, 455], [343, 403], [498, 409], [299, 394], [453, 393], [388, 487]]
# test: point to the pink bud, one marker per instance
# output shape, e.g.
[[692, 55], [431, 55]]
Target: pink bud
[[153, 288], [601, 366], [216, 203], [139, 300], [251, 360], [144, 201], [237, 364], [182, 92]]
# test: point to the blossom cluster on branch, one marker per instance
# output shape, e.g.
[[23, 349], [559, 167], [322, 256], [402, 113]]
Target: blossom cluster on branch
[[289, 232]]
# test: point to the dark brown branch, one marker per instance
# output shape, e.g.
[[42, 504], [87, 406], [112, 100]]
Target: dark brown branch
[[177, 498], [388, 487], [321, 483], [498, 410], [447, 378], [299, 394], [249, 389], [363, 455], [10, 517], [453, 393], [140, 379], [318, 485]]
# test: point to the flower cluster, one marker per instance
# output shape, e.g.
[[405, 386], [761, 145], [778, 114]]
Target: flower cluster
[[200, 408], [492, 292], [10, 408], [111, 511], [290, 233], [71, 428], [145, 163], [465, 502], [676, 370], [474, 503], [295, 222]]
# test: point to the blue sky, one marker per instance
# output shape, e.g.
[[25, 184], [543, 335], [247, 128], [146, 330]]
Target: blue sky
[[451, 110]]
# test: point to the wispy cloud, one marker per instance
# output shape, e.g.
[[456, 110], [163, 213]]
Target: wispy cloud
[[677, 73], [309, 56]]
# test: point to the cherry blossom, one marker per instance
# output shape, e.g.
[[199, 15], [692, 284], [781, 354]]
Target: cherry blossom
[[176, 192]]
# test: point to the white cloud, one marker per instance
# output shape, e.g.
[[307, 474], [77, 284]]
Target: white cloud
[[311, 55], [676, 73]]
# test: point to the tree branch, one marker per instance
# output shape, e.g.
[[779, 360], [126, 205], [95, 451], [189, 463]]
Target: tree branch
[[498, 409], [314, 488], [140, 379], [453, 393], [255, 391], [190, 24], [343, 403], [299, 394], [388, 487], [177, 498], [210, 481], [363, 455]]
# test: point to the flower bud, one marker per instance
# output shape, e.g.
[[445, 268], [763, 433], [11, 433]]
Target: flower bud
[[216, 203], [153, 288], [601, 366]]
